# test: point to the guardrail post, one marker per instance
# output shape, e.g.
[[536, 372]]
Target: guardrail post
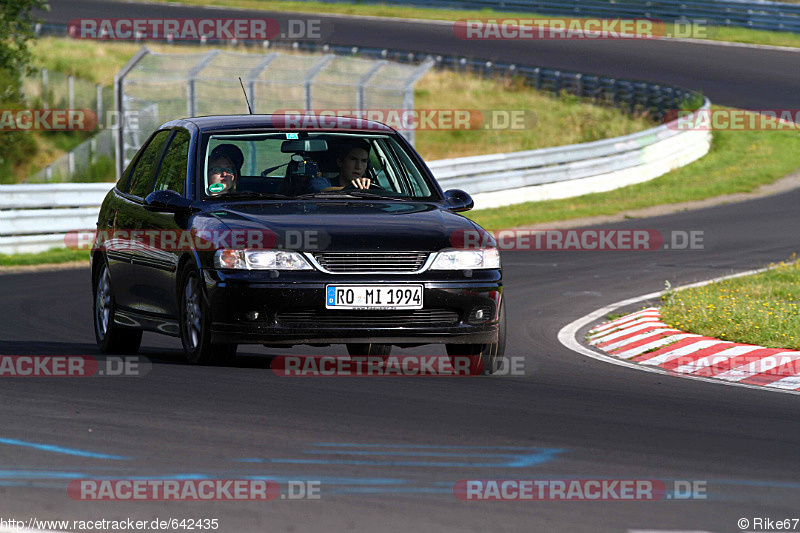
[[559, 82], [71, 166], [579, 85], [614, 92], [92, 150], [632, 98], [99, 92], [71, 91], [537, 77], [45, 99]]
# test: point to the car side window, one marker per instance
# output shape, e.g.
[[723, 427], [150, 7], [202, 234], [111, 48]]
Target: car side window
[[141, 177], [172, 174]]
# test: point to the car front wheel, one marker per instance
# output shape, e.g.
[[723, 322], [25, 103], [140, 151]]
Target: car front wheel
[[111, 337], [480, 359], [195, 325]]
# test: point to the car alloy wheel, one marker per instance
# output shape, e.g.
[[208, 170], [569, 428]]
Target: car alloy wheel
[[111, 337], [195, 325]]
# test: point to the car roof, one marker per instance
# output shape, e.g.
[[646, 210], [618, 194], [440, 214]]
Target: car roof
[[300, 122]]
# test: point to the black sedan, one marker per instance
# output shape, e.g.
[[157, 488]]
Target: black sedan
[[248, 229]]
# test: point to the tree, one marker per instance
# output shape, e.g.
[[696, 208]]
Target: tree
[[16, 29]]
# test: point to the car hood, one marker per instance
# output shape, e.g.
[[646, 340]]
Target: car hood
[[348, 225]]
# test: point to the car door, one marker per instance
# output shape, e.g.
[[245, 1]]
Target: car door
[[129, 243], [157, 269]]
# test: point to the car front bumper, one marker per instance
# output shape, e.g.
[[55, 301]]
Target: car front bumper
[[290, 309]]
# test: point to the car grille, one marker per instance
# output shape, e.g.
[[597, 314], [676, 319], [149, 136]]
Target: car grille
[[367, 318], [347, 262]]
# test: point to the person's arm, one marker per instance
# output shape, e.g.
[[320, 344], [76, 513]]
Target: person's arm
[[318, 183]]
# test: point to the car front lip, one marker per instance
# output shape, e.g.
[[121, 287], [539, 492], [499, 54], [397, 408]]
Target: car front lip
[[233, 294]]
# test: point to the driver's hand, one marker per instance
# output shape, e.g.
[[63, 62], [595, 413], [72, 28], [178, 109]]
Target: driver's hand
[[361, 183]]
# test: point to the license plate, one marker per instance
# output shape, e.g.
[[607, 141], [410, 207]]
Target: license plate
[[373, 296]]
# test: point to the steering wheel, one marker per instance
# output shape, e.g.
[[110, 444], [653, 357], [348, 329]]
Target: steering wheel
[[372, 185]]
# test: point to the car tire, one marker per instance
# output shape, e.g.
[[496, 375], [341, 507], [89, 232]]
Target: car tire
[[195, 324], [482, 359], [369, 350], [110, 336]]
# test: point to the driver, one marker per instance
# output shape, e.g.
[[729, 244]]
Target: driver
[[224, 167], [353, 162]]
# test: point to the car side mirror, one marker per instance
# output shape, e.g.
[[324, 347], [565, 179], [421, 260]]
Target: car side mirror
[[167, 202], [458, 200]]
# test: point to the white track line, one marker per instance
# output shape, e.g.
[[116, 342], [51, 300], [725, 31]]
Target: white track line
[[567, 334]]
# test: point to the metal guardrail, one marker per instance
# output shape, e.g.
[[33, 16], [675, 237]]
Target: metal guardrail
[[34, 218], [37, 217], [775, 16], [506, 179]]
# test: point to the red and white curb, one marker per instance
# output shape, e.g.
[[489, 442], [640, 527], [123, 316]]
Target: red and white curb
[[642, 342], [642, 338]]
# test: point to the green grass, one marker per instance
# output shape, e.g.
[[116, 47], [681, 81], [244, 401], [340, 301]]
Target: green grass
[[739, 161], [54, 255], [762, 309], [717, 33]]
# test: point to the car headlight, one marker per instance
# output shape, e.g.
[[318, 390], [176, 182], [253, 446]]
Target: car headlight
[[467, 259], [260, 260]]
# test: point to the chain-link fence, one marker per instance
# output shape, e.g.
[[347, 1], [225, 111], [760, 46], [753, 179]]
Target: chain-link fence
[[55, 90], [92, 159], [154, 88]]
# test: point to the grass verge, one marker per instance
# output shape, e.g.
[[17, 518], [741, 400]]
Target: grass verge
[[54, 255], [739, 161], [762, 309], [714, 33]]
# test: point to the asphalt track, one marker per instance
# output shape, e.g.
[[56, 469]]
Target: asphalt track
[[388, 451]]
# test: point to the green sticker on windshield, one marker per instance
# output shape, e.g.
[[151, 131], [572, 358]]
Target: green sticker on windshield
[[217, 187]]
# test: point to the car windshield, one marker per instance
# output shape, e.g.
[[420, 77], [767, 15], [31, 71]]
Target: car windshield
[[302, 164]]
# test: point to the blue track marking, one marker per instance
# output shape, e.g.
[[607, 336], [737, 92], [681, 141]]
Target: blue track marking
[[40, 474], [60, 449], [379, 453]]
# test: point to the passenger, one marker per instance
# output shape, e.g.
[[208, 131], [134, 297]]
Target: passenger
[[224, 166], [353, 163]]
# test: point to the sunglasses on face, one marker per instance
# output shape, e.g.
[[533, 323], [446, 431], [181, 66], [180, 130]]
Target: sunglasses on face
[[220, 170]]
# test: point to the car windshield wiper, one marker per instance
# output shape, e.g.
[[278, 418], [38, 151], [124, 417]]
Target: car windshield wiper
[[368, 193], [247, 194], [352, 193]]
